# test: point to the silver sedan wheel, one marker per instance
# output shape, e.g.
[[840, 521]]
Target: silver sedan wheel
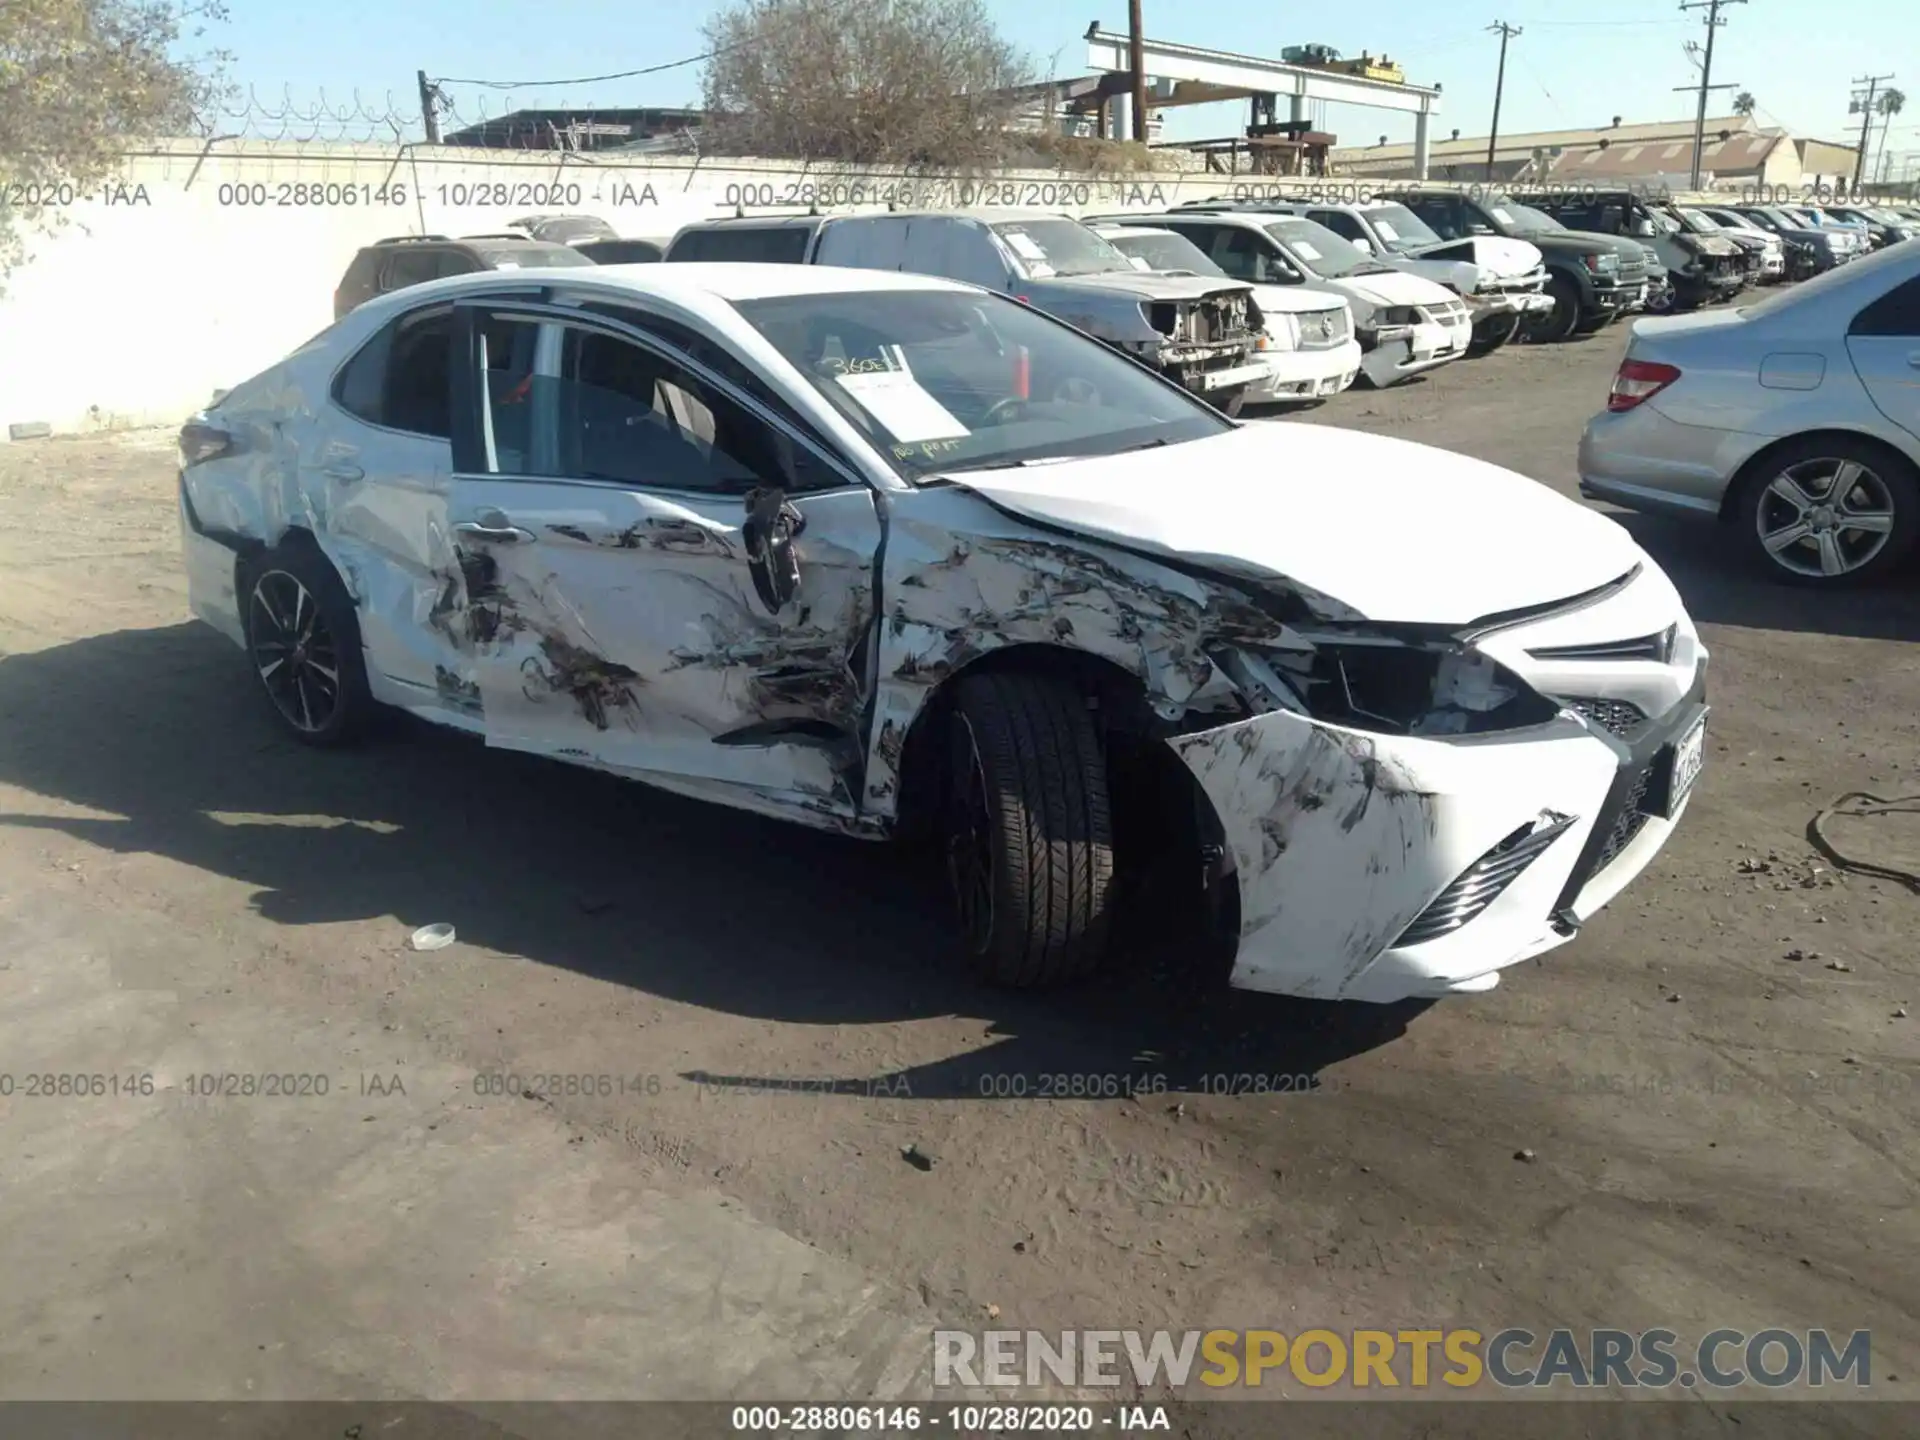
[[1824, 518]]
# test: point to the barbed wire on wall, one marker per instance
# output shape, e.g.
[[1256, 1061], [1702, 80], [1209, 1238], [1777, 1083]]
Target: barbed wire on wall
[[388, 119]]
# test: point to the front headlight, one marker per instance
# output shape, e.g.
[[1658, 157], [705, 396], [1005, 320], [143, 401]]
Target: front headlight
[[1385, 684]]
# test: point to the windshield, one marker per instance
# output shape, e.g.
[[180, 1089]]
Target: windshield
[[1167, 252], [1059, 247], [1403, 231], [1317, 249], [1698, 223], [944, 381], [1523, 218]]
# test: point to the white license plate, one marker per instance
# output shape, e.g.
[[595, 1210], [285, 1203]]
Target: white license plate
[[1689, 754]]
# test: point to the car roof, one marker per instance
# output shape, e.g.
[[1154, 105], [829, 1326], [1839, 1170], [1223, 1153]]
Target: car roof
[[750, 222], [696, 284], [1102, 226]]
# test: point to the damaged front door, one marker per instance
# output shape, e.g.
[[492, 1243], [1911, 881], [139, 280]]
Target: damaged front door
[[663, 577]]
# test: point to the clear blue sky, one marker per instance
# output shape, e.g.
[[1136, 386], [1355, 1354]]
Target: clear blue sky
[[1574, 66]]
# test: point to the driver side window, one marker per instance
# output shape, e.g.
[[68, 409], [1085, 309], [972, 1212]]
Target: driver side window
[[621, 413], [1247, 256]]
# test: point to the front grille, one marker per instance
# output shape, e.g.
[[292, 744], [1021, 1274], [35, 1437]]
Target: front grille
[[1617, 717], [1448, 311], [1217, 318], [1484, 881], [1323, 330], [1627, 823]]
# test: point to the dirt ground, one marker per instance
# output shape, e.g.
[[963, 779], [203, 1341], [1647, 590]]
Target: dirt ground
[[1722, 1134]]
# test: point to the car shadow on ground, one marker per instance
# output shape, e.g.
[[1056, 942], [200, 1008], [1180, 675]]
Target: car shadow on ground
[[1721, 588], [163, 730]]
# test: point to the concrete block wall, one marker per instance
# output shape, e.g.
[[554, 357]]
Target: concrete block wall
[[205, 262]]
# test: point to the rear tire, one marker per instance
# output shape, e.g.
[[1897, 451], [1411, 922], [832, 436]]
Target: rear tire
[[1795, 486], [303, 641], [1029, 830]]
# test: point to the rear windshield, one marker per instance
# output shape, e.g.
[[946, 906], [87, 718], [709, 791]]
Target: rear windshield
[[773, 244]]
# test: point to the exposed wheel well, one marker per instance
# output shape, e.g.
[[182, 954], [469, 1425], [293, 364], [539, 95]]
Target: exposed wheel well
[[1756, 464], [1168, 838]]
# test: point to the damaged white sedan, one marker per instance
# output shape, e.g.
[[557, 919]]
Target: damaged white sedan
[[890, 555]]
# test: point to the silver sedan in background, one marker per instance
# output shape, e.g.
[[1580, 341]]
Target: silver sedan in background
[[1795, 420]]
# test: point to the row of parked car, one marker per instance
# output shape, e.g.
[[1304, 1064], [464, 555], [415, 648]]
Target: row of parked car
[[1269, 302]]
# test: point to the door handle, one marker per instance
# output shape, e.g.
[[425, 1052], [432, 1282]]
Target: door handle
[[492, 534]]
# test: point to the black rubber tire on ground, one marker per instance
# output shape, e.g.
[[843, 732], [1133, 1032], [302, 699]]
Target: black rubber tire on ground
[[1560, 322], [1029, 830], [1893, 470], [1496, 335], [324, 638]]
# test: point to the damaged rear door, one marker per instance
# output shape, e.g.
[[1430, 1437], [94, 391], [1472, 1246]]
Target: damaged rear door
[[664, 576]]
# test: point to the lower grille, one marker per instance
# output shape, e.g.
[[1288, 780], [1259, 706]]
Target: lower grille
[[1484, 881], [1628, 822], [1617, 717]]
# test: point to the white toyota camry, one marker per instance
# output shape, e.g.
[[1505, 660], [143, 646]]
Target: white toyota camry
[[891, 555]]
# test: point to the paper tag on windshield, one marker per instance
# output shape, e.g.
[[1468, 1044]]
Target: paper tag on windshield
[[506, 264], [1387, 232], [1502, 216], [1305, 251], [901, 403], [1023, 245]]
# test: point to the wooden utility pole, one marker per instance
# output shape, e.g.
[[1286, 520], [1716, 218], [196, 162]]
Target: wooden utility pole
[[1137, 57], [1714, 22], [1872, 82], [427, 114], [1507, 32]]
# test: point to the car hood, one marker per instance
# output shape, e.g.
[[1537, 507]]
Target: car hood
[[1295, 299], [1392, 530], [1502, 257], [1146, 284], [1390, 287]]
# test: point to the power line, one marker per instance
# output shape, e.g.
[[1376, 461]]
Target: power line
[[1714, 22], [587, 79], [1507, 32]]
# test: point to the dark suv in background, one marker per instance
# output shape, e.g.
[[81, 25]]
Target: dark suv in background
[[1199, 331], [1593, 278], [403, 260], [1704, 268]]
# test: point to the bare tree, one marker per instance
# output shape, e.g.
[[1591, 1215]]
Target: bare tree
[[881, 82], [80, 80]]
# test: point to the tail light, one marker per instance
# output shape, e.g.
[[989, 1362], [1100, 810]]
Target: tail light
[[1638, 381], [200, 442]]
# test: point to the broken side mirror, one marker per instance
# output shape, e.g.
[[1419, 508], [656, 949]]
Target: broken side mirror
[[769, 531]]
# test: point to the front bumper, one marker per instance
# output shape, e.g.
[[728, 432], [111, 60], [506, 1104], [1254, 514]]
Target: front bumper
[[1398, 352], [1342, 840], [1298, 375], [1488, 304]]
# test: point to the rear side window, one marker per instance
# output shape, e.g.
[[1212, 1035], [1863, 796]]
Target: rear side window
[[1895, 313], [879, 243], [410, 267], [775, 245], [400, 379]]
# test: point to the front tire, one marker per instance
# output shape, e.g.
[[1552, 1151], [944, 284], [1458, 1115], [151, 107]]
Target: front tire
[[1559, 323], [1498, 333], [1029, 830], [303, 639], [1830, 512]]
